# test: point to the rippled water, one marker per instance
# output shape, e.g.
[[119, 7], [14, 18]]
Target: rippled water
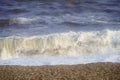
[[22, 18]]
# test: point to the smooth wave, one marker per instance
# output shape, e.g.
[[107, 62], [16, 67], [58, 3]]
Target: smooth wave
[[5, 22], [62, 44], [80, 19]]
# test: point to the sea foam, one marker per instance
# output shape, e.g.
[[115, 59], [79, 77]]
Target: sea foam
[[61, 44]]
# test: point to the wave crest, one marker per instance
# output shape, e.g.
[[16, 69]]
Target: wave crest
[[62, 44]]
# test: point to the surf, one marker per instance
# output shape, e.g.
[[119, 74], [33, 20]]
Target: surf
[[61, 44]]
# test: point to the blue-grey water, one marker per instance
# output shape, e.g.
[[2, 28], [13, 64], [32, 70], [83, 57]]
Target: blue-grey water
[[64, 28], [35, 17]]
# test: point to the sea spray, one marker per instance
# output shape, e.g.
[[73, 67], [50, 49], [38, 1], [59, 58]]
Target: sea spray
[[61, 44]]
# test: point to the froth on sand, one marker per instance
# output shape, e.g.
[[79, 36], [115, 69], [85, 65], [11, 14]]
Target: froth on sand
[[91, 71]]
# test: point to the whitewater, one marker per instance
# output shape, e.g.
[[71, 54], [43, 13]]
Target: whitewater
[[59, 32]]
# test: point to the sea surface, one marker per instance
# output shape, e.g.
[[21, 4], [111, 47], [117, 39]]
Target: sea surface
[[57, 32]]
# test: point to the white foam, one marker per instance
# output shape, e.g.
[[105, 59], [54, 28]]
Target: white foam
[[23, 20], [61, 60], [61, 44]]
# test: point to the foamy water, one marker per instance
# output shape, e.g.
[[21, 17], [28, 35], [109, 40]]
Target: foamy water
[[62, 60], [63, 48], [59, 32]]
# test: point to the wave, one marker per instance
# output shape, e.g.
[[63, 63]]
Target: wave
[[4, 22], [83, 19], [19, 20], [61, 44]]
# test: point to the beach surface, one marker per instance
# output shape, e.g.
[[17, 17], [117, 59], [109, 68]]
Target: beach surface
[[91, 71]]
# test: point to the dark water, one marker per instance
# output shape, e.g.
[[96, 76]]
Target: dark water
[[35, 17]]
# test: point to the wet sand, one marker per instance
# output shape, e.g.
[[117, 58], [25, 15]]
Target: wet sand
[[93, 71]]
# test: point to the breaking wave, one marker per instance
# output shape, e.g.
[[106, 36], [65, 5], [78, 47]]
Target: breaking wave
[[61, 44]]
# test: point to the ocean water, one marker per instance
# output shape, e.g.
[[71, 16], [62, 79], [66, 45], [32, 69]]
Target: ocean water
[[56, 32]]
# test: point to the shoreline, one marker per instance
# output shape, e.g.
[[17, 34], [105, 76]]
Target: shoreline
[[91, 71]]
